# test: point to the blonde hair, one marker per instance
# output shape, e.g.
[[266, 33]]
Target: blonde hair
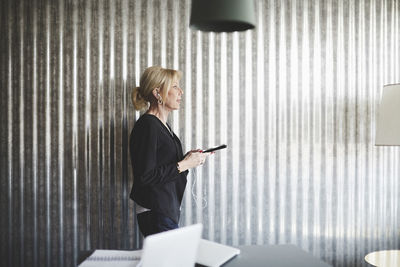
[[153, 77]]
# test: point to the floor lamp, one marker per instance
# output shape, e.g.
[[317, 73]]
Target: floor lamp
[[387, 134]]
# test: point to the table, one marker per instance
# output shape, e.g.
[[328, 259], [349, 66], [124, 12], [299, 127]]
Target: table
[[274, 255], [262, 256]]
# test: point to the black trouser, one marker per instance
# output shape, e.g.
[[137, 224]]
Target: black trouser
[[152, 223]]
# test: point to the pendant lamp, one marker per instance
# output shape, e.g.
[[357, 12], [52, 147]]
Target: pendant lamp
[[222, 15]]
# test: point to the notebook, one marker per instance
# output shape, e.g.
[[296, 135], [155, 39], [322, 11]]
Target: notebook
[[106, 258]]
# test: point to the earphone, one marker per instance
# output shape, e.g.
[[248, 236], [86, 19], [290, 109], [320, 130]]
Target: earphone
[[159, 100]]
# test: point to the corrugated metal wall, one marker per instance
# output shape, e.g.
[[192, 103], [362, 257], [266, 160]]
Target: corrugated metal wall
[[294, 100]]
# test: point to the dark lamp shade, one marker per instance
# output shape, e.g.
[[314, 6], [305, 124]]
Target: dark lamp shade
[[222, 15]]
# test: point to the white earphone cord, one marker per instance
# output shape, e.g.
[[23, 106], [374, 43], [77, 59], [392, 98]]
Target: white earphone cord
[[197, 198]]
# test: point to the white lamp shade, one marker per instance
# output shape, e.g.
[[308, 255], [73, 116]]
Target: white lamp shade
[[388, 119]]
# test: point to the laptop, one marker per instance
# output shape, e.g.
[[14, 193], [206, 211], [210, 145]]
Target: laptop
[[213, 254], [174, 248]]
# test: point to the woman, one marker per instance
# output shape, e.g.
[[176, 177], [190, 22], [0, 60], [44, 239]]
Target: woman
[[159, 167]]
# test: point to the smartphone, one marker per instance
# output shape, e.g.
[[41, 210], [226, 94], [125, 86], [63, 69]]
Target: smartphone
[[214, 148]]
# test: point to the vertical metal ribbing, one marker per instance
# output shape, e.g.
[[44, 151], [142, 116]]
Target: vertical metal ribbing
[[351, 121], [88, 125], [271, 127], [296, 97], [378, 155], [111, 115], [149, 22], [293, 122], [198, 126], [137, 28], [61, 134], [305, 132], [329, 143], [391, 40], [125, 143], [248, 135], [176, 22], [281, 129], [361, 138], [315, 141], [396, 151], [34, 139], [48, 140], [223, 103], [393, 152], [188, 113], [396, 186], [211, 137], [260, 115], [377, 10], [339, 130], [382, 156], [371, 81], [10, 136], [202, 138], [21, 135], [163, 25], [235, 132], [388, 151], [396, 39], [75, 156], [100, 108]]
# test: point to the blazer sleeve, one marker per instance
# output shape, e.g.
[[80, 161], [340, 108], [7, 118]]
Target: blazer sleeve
[[143, 149]]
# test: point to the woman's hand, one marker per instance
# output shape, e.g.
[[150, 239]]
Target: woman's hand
[[193, 159], [194, 150]]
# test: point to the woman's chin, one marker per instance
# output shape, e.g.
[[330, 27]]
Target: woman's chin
[[174, 108]]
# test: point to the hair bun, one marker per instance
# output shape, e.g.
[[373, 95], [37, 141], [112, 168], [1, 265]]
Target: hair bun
[[137, 99]]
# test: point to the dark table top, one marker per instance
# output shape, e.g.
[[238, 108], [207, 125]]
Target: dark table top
[[274, 255], [262, 256]]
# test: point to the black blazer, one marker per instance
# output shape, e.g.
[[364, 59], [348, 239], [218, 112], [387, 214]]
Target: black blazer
[[155, 152]]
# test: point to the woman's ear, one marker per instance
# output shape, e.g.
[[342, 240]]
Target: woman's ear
[[156, 92]]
